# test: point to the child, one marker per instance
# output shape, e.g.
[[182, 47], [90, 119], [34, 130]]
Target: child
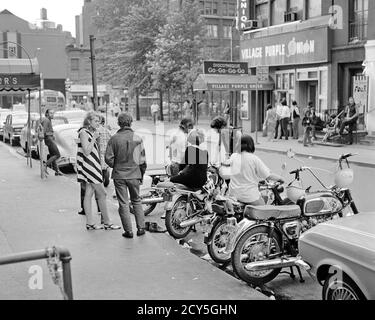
[[306, 123]]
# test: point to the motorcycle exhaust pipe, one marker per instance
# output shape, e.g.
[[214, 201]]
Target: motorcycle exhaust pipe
[[190, 222], [152, 200], [272, 264]]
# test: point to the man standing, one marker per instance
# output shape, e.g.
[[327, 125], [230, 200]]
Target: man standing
[[279, 109], [285, 118], [126, 155], [49, 141], [351, 116], [155, 111]]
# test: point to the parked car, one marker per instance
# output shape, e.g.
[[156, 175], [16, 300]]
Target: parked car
[[35, 121], [3, 116], [13, 125], [73, 115], [20, 107], [65, 137], [340, 255]]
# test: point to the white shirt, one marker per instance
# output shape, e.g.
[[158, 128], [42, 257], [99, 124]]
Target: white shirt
[[178, 145], [279, 109], [285, 113], [154, 108], [246, 172]]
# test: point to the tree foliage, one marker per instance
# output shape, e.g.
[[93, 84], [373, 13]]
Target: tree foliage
[[176, 60]]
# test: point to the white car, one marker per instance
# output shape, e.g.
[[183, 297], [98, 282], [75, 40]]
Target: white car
[[75, 116], [3, 115], [13, 126]]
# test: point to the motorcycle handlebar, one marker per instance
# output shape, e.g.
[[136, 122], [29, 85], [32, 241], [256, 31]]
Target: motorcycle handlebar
[[347, 155]]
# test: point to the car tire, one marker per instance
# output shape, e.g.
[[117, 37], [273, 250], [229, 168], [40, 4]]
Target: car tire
[[341, 289]]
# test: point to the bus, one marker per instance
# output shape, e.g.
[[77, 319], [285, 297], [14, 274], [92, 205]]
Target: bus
[[51, 99]]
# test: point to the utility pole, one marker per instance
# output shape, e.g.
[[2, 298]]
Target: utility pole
[[93, 71]]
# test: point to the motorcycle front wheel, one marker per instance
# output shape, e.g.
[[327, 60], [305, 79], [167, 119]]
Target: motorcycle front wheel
[[252, 247], [219, 238], [175, 216]]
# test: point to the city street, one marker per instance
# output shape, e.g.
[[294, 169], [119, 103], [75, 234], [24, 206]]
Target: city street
[[283, 287]]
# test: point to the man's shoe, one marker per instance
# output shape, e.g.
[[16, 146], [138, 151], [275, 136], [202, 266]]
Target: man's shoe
[[128, 234], [141, 232], [154, 227], [82, 212]]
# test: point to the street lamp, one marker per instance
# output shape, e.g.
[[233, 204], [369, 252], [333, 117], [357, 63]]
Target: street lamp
[[28, 56]]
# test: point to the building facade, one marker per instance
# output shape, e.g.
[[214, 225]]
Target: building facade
[[23, 40], [315, 51]]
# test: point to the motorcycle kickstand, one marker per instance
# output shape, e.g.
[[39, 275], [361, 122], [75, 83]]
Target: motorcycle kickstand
[[301, 280]]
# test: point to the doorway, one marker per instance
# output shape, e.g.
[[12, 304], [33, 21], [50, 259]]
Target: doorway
[[312, 93]]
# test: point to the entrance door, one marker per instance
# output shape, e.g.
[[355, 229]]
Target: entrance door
[[312, 92]]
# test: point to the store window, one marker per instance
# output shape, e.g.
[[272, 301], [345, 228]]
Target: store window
[[285, 85], [358, 20]]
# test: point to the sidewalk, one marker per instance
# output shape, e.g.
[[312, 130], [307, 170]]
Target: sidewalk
[[365, 157], [35, 214]]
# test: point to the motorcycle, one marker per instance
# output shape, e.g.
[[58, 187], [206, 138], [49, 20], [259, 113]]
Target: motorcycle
[[228, 212], [186, 207], [266, 240]]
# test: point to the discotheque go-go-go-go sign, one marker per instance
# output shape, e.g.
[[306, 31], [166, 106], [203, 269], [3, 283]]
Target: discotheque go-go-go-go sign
[[226, 68]]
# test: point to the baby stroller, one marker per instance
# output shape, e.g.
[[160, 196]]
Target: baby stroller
[[332, 128]]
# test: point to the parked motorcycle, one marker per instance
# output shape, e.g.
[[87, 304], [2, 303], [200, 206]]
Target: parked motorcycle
[[229, 212], [266, 240], [190, 206]]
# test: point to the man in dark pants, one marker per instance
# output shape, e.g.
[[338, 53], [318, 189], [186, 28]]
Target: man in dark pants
[[49, 141], [351, 116], [126, 155]]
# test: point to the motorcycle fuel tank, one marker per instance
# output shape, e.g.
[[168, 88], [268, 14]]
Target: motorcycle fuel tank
[[320, 204]]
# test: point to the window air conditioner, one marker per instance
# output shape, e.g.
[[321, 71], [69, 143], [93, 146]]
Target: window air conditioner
[[251, 25], [290, 16]]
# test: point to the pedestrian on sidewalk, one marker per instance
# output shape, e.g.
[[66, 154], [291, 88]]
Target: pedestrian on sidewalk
[[270, 122], [351, 116], [285, 118], [104, 136], [155, 111], [296, 119], [306, 123], [49, 140], [177, 146], [126, 155], [89, 171], [279, 109]]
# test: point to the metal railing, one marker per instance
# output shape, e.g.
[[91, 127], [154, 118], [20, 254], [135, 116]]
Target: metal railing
[[54, 256], [358, 31]]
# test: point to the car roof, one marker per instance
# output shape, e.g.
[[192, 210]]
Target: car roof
[[66, 126]]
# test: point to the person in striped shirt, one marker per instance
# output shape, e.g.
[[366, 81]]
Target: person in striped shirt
[[89, 171]]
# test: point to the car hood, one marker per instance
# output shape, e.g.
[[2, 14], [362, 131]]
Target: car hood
[[355, 233]]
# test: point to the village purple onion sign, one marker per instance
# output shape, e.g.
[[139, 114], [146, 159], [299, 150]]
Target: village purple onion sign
[[303, 47]]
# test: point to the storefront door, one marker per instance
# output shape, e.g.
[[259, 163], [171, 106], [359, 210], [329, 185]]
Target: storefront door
[[312, 93]]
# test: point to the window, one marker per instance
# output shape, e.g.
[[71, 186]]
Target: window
[[227, 32], [314, 8], [74, 64], [278, 9], [262, 12], [358, 20], [211, 31], [229, 9], [209, 7]]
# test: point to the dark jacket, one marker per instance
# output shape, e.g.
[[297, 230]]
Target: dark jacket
[[194, 174], [125, 153]]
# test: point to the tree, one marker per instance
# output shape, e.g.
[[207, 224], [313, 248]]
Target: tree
[[176, 60], [126, 41]]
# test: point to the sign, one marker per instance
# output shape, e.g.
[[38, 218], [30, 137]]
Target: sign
[[242, 14], [239, 86], [19, 81], [225, 67], [263, 73], [360, 93], [303, 47]]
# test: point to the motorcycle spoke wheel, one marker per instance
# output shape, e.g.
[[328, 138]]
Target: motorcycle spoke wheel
[[175, 217], [218, 243]]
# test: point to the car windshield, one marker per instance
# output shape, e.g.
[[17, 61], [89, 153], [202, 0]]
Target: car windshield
[[19, 117]]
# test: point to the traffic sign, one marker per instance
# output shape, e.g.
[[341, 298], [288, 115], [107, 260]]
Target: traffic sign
[[263, 73]]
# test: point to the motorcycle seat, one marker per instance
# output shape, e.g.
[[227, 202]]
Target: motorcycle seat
[[185, 188], [267, 212]]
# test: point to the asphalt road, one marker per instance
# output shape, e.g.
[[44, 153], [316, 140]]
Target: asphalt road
[[283, 287]]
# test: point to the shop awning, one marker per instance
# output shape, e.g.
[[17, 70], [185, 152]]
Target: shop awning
[[12, 66], [206, 82]]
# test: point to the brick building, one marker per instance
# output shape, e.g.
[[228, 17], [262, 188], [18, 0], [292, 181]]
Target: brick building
[[315, 51]]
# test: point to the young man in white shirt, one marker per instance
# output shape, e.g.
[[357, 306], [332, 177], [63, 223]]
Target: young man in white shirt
[[279, 109], [155, 111], [285, 118]]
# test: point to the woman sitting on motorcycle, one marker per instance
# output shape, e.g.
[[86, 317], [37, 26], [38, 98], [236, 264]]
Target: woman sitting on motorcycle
[[246, 171], [194, 174]]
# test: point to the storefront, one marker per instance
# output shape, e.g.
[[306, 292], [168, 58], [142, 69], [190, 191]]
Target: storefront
[[241, 90], [299, 64]]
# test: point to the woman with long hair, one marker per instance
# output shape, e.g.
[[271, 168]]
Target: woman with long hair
[[89, 171], [246, 171]]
